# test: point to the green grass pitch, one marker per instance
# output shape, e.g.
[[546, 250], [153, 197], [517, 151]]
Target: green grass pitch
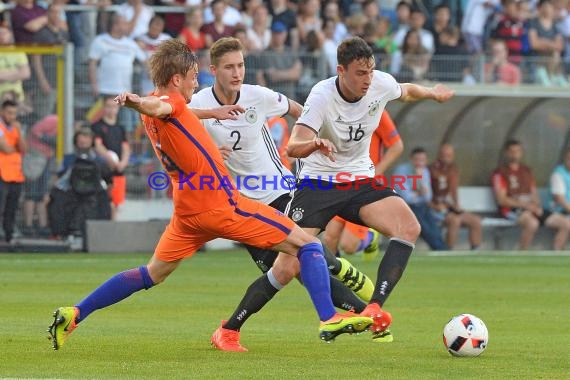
[[164, 333]]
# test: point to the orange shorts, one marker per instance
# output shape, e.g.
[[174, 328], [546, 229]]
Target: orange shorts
[[118, 190], [251, 223], [355, 229]]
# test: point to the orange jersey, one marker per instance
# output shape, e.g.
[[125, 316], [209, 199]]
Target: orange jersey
[[385, 135], [194, 163], [280, 133], [11, 163]]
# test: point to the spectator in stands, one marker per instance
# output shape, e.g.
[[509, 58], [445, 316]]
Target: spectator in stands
[[332, 12], [192, 34], [445, 203], [546, 44], [138, 16], [111, 59], [280, 68], [205, 76], [355, 25], [80, 191], [280, 12], [563, 26], [417, 192], [174, 22], [441, 21], [251, 60], [259, 34], [14, 68], [230, 15], [417, 23], [476, 14], [313, 62], [415, 59], [371, 9], [148, 43], [451, 62], [518, 199], [45, 66], [12, 147], [308, 18], [500, 70], [403, 12], [37, 166], [329, 46], [560, 186], [217, 28], [248, 8], [111, 144], [27, 18], [371, 37], [510, 29]]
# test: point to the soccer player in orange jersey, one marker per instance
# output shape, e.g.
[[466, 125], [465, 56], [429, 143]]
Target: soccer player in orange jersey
[[206, 202]]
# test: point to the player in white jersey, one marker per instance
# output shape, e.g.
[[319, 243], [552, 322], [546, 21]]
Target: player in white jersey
[[253, 161], [332, 139]]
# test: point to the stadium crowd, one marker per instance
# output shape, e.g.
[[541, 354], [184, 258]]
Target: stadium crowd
[[290, 45]]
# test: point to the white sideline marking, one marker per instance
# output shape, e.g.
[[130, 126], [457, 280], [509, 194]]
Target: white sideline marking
[[498, 253]]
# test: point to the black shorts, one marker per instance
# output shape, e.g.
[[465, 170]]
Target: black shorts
[[316, 202], [264, 258]]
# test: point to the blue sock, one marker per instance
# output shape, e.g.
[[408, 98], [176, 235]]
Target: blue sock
[[366, 241], [115, 289], [315, 277]]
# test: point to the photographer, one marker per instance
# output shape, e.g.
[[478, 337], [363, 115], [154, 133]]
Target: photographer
[[80, 192]]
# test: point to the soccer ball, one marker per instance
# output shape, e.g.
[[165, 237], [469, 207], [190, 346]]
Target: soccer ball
[[465, 335]]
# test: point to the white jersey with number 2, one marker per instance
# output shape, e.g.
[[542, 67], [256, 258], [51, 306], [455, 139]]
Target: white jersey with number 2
[[348, 125], [254, 161]]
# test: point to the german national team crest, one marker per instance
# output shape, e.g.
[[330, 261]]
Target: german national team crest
[[297, 214], [251, 116], [373, 108]]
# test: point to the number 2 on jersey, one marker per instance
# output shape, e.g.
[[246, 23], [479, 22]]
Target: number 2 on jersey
[[238, 137]]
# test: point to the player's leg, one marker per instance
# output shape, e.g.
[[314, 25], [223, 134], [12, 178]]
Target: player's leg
[[529, 225], [359, 238], [172, 247], [315, 278], [453, 223], [341, 268], [561, 224], [12, 193], [473, 224], [331, 237], [392, 216], [260, 225]]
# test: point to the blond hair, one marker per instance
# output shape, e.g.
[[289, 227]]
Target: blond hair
[[170, 58], [223, 46]]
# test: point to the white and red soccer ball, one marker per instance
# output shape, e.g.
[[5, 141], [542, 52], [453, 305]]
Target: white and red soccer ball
[[465, 335]]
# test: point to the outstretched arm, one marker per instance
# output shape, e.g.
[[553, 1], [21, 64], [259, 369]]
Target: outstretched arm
[[221, 113], [413, 92], [148, 105]]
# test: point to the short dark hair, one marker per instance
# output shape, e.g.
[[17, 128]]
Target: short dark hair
[[511, 142], [417, 150], [353, 49], [83, 131], [404, 4], [9, 103]]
